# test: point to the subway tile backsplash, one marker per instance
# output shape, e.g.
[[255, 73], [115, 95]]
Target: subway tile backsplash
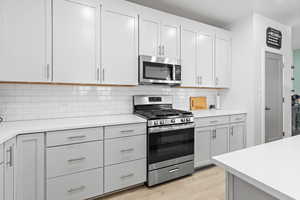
[[29, 102]]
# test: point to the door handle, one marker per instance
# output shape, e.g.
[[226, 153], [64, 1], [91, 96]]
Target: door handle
[[268, 109]]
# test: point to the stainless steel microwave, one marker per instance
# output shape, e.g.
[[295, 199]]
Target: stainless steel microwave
[[158, 70]]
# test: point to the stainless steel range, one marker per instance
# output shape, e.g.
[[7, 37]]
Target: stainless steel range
[[170, 138]]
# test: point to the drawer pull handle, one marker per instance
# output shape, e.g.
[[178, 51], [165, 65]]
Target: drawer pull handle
[[127, 150], [76, 159], [9, 163], [174, 170], [77, 137], [213, 122], [238, 119], [76, 189], [127, 131], [127, 176]]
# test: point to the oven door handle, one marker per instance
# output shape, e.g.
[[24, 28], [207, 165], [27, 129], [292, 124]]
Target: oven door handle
[[170, 128]]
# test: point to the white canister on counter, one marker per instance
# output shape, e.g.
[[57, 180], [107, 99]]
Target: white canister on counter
[[218, 101]]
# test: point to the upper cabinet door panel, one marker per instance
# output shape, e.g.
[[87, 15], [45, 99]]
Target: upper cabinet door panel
[[170, 40], [223, 62], [76, 34], [120, 46], [149, 36], [188, 57], [25, 40], [205, 59]]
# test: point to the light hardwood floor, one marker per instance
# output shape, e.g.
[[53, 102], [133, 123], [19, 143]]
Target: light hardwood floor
[[205, 184]]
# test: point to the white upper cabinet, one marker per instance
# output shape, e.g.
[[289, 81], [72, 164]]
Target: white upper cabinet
[[223, 62], [170, 39], [159, 35], [120, 44], [76, 41], [188, 57], [25, 40], [149, 36], [205, 59]]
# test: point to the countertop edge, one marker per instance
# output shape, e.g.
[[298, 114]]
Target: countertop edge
[[275, 193]]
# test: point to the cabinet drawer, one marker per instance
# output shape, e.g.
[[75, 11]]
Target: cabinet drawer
[[74, 136], [125, 149], [125, 130], [211, 121], [124, 175], [78, 186], [69, 159], [238, 118]]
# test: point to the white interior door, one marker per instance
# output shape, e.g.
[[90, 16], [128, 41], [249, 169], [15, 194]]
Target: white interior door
[[205, 59], [76, 41], [120, 47], [170, 40], [149, 36], [273, 97], [223, 63], [25, 50], [188, 57]]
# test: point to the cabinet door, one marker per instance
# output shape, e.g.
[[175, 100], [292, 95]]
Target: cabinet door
[[188, 57], [120, 46], [237, 137], [170, 40], [9, 169], [202, 147], [1, 172], [219, 141], [76, 44], [205, 59], [223, 63], [25, 40], [149, 36], [30, 167]]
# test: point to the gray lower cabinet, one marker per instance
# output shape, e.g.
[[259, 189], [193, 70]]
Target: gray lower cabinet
[[218, 135], [219, 141], [30, 165], [124, 175], [9, 169], [1, 172], [237, 137], [202, 146], [78, 186]]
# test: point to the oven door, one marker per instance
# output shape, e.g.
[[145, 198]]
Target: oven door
[[159, 71], [169, 147]]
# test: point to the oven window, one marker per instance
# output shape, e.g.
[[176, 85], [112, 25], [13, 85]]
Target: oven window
[[169, 145], [158, 71]]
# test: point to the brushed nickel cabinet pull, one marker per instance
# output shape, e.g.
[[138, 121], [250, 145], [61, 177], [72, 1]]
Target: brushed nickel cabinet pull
[[76, 159], [127, 131], [127, 176], [174, 170], [76, 189], [127, 150], [77, 137]]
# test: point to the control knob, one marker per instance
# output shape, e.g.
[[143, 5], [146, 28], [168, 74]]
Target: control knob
[[182, 120], [173, 121]]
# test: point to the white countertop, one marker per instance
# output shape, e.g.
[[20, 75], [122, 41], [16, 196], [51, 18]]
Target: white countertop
[[9, 130], [214, 113], [273, 167]]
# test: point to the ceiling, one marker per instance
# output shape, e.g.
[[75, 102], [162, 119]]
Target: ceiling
[[222, 13]]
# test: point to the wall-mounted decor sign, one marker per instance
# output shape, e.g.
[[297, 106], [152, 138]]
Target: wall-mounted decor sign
[[274, 38]]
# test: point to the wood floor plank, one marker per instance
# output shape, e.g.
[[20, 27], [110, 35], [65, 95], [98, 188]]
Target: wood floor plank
[[205, 184]]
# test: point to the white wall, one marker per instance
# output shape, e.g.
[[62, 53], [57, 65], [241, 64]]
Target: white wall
[[240, 95], [26, 102], [249, 45]]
